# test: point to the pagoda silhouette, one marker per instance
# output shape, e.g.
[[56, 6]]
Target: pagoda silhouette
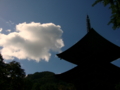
[[93, 55]]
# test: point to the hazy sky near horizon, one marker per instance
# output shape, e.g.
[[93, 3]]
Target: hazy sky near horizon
[[32, 32]]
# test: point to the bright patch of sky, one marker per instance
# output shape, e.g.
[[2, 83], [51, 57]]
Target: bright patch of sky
[[34, 31]]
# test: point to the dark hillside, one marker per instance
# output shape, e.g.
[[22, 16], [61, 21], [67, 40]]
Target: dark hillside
[[46, 81]]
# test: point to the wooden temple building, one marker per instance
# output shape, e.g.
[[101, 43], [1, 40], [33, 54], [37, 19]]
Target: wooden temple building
[[93, 55]]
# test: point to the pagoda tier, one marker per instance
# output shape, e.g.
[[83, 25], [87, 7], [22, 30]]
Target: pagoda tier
[[91, 48], [97, 77]]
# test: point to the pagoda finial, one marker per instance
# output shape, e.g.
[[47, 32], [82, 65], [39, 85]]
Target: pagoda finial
[[88, 24]]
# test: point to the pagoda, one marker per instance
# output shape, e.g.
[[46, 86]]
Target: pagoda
[[93, 55]]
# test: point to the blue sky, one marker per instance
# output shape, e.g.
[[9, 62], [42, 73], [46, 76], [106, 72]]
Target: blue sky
[[68, 14]]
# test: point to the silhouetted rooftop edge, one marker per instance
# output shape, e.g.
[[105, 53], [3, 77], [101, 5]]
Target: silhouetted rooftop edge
[[92, 45]]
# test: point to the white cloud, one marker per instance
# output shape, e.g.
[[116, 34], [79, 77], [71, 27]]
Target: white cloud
[[1, 29], [8, 30], [32, 41]]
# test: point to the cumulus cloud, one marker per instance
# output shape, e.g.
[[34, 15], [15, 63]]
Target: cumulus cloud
[[8, 30], [32, 41], [1, 29]]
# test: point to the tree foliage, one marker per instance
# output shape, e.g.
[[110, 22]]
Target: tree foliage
[[11, 75], [46, 81], [114, 5]]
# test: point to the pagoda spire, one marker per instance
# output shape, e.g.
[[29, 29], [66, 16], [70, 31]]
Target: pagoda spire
[[92, 55], [88, 24]]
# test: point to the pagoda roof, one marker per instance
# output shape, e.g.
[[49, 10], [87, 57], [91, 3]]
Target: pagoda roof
[[91, 48], [102, 76]]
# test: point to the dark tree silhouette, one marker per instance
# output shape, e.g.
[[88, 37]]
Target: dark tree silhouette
[[3, 78], [114, 5], [46, 81], [11, 75]]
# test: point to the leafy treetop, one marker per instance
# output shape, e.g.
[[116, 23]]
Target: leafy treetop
[[115, 11]]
